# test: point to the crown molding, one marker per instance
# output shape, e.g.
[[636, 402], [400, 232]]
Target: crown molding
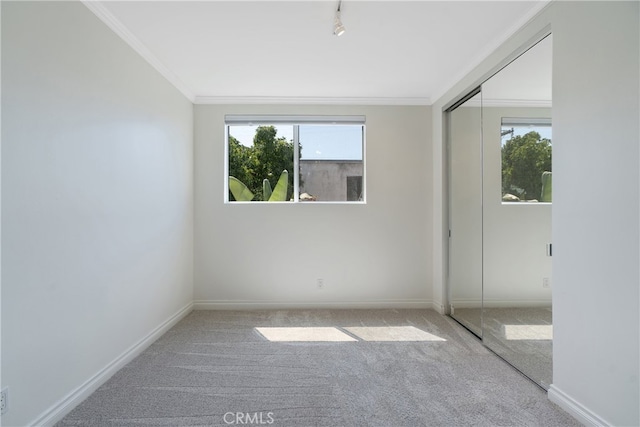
[[273, 100], [121, 30]]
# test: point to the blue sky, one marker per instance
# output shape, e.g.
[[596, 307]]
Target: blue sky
[[544, 131], [319, 142]]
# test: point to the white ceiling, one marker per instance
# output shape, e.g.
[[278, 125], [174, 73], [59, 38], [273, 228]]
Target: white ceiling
[[394, 52]]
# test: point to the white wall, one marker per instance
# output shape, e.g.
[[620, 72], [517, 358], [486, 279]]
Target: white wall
[[595, 214], [595, 263], [97, 203], [267, 255], [0, 210]]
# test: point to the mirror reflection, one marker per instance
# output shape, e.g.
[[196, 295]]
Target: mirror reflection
[[500, 195], [517, 187]]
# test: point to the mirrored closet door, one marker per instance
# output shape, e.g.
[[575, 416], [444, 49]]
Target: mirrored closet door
[[517, 203], [500, 201], [465, 211]]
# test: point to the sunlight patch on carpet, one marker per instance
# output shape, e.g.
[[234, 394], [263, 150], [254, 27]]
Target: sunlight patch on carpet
[[392, 333], [528, 332], [304, 334]]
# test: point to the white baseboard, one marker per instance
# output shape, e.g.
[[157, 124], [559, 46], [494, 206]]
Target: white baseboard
[[56, 412], [274, 305], [438, 306], [466, 303], [575, 409], [516, 303]]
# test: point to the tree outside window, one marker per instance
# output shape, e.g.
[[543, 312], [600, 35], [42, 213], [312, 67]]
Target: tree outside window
[[526, 164]]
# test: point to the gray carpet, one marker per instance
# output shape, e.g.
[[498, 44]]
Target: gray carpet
[[531, 354], [215, 362]]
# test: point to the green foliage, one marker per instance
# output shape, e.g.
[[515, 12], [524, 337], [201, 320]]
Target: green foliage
[[524, 159], [266, 159], [266, 189], [280, 192], [241, 192], [240, 154], [546, 195]]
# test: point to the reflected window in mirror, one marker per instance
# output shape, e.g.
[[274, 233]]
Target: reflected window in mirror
[[526, 160]]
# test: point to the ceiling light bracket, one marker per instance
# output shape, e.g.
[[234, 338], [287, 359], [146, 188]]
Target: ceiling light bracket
[[338, 27]]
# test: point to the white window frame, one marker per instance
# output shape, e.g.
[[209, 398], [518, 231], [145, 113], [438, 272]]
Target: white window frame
[[295, 121]]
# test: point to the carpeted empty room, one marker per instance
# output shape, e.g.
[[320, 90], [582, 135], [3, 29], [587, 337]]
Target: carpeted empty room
[[318, 368]]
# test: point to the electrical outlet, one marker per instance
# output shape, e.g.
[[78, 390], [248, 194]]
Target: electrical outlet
[[4, 400], [320, 283], [546, 282]]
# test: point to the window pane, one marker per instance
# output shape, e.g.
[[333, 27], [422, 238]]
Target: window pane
[[331, 142], [258, 155], [323, 157], [331, 163], [526, 161]]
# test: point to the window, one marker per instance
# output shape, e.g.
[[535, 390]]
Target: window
[[295, 159], [526, 160]]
